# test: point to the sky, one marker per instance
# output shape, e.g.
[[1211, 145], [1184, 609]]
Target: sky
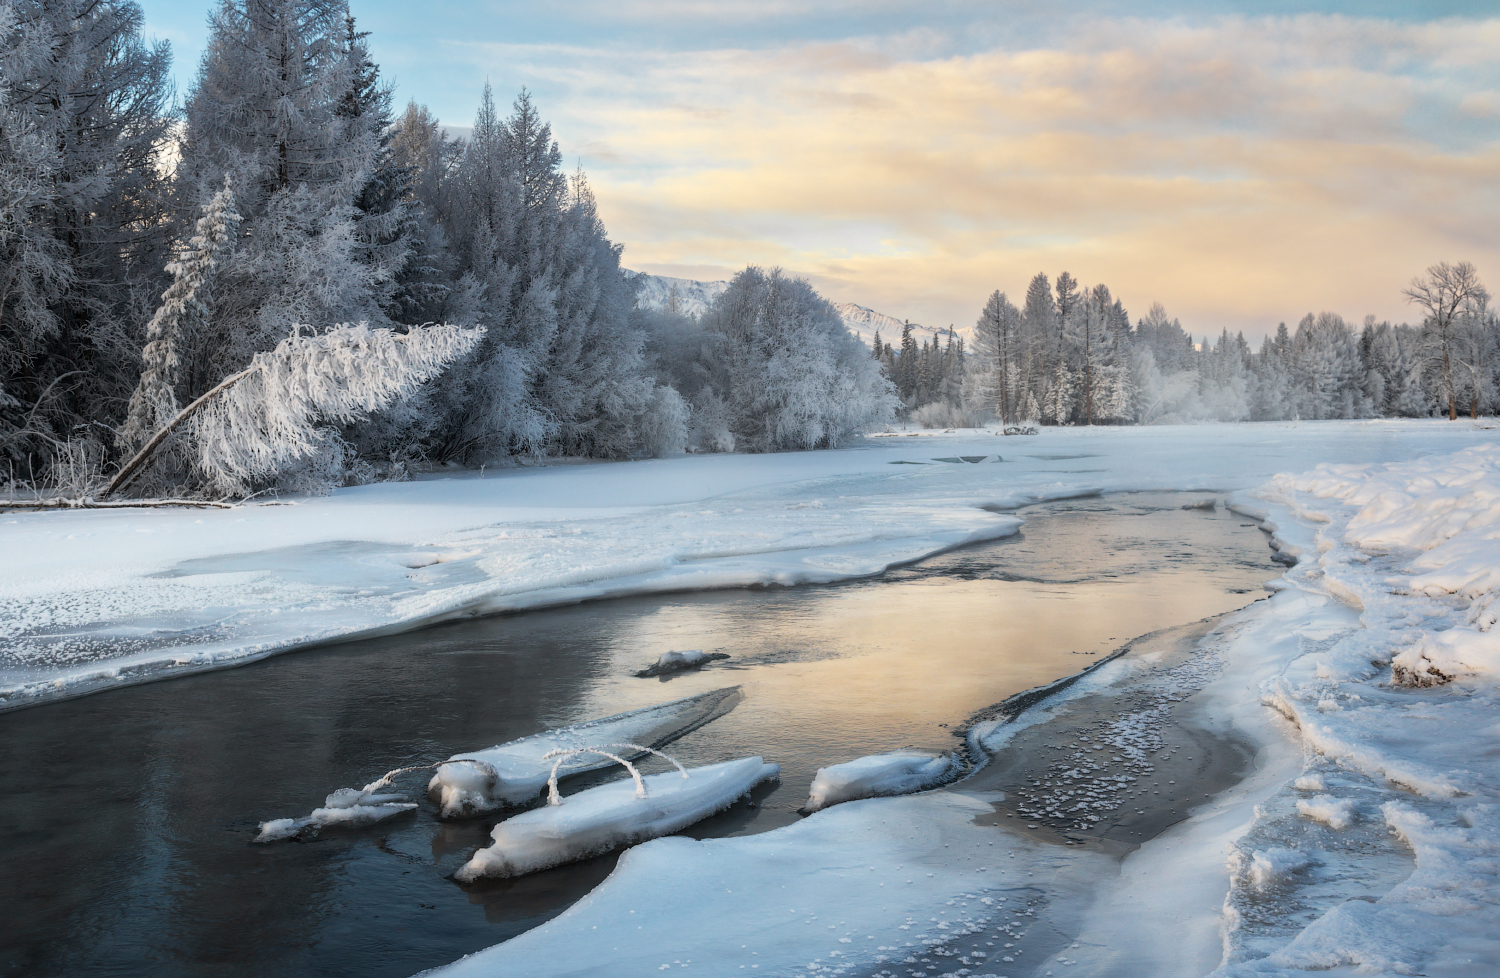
[[1242, 163]]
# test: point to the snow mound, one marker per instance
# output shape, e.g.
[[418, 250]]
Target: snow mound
[[345, 808], [513, 774], [612, 816], [669, 662], [1336, 813], [881, 775]]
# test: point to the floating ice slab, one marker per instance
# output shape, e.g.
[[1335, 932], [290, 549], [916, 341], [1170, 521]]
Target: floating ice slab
[[880, 775], [670, 662], [514, 774], [613, 815], [346, 807]]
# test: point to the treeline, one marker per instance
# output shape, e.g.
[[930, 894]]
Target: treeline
[[1070, 355], [149, 251]]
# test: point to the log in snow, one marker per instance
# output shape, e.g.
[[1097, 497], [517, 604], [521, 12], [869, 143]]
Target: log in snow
[[613, 815], [514, 774], [879, 775]]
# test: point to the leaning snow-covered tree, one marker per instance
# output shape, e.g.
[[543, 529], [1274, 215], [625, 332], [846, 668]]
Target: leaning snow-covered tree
[[271, 415]]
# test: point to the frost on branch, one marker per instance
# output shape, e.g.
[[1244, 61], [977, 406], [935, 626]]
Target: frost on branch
[[267, 416]]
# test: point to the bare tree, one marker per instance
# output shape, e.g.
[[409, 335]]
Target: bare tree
[[1444, 293]]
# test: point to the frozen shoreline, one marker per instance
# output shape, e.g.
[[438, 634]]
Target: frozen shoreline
[[104, 599]]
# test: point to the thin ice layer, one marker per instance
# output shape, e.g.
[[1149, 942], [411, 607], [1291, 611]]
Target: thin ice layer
[[611, 816], [515, 773], [879, 775]]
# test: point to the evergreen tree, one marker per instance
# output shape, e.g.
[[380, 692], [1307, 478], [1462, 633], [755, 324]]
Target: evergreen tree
[[83, 119], [265, 110], [181, 316]]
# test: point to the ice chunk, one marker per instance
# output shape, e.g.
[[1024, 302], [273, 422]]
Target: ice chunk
[[348, 807], [677, 661], [1208, 504], [613, 815], [897, 773], [1310, 782], [1337, 813], [1269, 867], [514, 774]]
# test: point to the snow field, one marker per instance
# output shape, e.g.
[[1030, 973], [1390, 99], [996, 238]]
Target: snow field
[[612, 816], [865, 884]]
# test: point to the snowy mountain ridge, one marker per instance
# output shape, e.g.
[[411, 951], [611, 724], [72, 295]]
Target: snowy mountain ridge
[[655, 292], [694, 297]]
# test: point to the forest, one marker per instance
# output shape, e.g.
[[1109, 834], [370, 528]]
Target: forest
[[280, 282], [1070, 355], [283, 283]]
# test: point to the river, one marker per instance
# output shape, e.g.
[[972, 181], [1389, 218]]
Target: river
[[127, 818]]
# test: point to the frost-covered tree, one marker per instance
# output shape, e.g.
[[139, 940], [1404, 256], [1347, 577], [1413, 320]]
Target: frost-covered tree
[[788, 371], [83, 120], [563, 369], [996, 339], [274, 106], [254, 425], [1443, 294], [182, 315]]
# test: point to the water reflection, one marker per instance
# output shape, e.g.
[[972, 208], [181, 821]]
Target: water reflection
[[126, 822]]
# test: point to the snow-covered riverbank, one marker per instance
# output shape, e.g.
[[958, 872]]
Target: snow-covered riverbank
[[97, 599], [1366, 839]]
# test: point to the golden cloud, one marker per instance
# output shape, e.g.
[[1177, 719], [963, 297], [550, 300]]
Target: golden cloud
[[1242, 171]]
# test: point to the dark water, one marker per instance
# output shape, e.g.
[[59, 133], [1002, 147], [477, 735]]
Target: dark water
[[126, 821]]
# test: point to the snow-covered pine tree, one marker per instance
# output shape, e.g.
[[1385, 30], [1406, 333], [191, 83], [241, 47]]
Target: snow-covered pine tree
[[181, 316], [991, 383], [83, 119], [265, 109], [249, 428], [546, 279]]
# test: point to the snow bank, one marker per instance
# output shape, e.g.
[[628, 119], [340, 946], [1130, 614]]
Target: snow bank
[[613, 815], [879, 775], [514, 774], [877, 881]]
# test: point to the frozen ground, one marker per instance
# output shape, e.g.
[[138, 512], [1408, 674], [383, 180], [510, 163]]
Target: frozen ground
[[95, 599], [1362, 835]]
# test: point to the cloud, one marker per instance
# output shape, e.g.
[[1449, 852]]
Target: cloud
[[1241, 170]]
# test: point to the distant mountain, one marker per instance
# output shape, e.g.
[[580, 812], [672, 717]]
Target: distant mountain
[[694, 298], [655, 292], [864, 322]]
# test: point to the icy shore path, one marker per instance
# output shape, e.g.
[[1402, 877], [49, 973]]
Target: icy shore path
[[95, 600]]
